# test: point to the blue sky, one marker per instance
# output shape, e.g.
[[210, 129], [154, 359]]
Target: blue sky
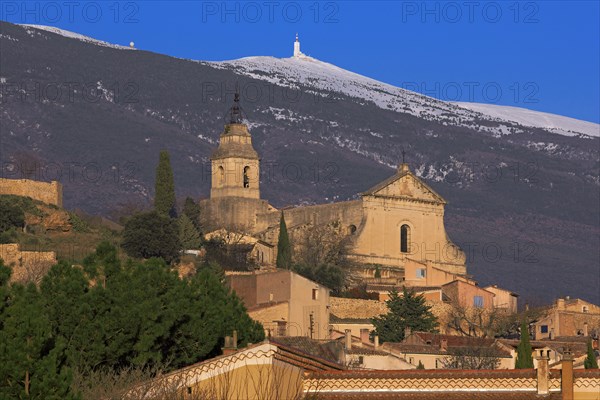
[[542, 55]]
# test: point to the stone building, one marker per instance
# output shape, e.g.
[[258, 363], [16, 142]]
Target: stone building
[[397, 220], [285, 303], [568, 317]]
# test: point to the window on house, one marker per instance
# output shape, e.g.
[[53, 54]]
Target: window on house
[[544, 329], [189, 390], [315, 294], [436, 364], [246, 177], [411, 360], [404, 238], [584, 309], [421, 273], [361, 360], [478, 301]]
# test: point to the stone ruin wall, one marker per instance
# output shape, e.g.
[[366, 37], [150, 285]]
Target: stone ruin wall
[[27, 266], [46, 192]]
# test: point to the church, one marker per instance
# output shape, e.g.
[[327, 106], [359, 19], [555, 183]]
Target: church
[[395, 227]]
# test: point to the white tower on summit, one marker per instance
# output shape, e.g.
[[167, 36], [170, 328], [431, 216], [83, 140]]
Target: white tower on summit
[[297, 52]]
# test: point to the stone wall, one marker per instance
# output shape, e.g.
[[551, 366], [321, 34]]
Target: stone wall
[[27, 266], [46, 192], [356, 308]]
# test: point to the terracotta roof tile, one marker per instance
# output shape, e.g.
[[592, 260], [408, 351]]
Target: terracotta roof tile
[[311, 347], [367, 351], [428, 373]]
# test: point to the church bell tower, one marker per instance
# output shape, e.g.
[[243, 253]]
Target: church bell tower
[[235, 163]]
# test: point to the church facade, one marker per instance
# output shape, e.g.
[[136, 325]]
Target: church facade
[[397, 222]]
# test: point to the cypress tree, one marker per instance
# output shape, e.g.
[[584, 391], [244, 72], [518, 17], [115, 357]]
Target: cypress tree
[[590, 361], [192, 210], [284, 249], [524, 357], [164, 197]]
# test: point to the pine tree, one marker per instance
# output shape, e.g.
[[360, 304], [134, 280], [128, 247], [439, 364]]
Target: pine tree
[[188, 235], [420, 366], [30, 358], [524, 355], [406, 311], [590, 361], [164, 198], [284, 248]]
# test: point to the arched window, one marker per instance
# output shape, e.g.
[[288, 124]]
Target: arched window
[[246, 178], [352, 229], [221, 176], [404, 238]]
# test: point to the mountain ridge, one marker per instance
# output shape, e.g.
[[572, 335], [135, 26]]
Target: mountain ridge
[[490, 110]]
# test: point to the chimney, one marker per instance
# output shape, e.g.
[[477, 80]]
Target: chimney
[[560, 304], [348, 339], [230, 346], [364, 336], [566, 379], [543, 373], [585, 329], [376, 341], [407, 332], [444, 345]]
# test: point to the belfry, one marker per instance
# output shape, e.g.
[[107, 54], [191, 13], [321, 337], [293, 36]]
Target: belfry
[[235, 163]]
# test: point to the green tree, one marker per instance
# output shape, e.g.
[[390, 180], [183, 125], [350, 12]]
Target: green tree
[[406, 311], [420, 366], [11, 215], [188, 234], [151, 234], [331, 276], [284, 248], [524, 353], [590, 361], [192, 210], [164, 197], [31, 357], [140, 314]]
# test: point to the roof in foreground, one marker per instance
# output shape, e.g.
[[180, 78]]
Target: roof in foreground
[[440, 395]]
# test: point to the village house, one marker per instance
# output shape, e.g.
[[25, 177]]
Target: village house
[[568, 317], [503, 299], [271, 369], [361, 353], [555, 349], [285, 303]]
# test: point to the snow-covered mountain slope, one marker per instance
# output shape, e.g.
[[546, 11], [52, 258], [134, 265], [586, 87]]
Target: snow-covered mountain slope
[[325, 78], [74, 35], [552, 122], [295, 72]]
